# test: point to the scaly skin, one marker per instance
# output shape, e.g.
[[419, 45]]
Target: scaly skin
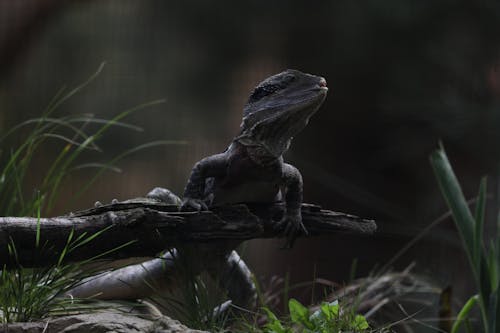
[[252, 167]]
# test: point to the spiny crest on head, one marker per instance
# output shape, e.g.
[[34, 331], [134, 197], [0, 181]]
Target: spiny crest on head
[[271, 85]]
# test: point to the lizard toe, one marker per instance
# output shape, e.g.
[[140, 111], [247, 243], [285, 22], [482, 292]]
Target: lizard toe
[[189, 205]]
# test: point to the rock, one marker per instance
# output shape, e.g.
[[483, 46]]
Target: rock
[[101, 322]]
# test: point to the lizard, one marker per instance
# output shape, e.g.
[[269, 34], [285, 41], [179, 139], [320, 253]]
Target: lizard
[[252, 168]]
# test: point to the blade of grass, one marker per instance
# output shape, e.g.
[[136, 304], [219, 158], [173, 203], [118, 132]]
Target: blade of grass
[[75, 90], [470, 231], [118, 158], [104, 121], [66, 248], [59, 122], [37, 239], [464, 313], [455, 199], [88, 239], [479, 217], [97, 166], [69, 160]]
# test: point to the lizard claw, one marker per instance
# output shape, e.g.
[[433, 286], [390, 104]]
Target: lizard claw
[[190, 204], [292, 226]]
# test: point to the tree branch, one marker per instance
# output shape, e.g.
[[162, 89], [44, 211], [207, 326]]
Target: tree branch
[[154, 227]]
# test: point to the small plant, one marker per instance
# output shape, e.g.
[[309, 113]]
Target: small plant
[[484, 261], [329, 318], [197, 301], [28, 294]]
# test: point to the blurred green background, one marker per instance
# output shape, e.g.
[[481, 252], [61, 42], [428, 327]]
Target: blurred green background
[[402, 75]]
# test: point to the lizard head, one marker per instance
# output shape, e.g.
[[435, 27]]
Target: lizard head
[[279, 108]]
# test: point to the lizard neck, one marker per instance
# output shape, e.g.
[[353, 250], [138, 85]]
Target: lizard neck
[[258, 152], [266, 141]]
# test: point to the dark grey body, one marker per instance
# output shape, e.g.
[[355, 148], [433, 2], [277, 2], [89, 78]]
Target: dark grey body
[[242, 179], [252, 168]]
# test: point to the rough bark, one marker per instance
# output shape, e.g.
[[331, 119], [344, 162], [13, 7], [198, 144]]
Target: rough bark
[[154, 227]]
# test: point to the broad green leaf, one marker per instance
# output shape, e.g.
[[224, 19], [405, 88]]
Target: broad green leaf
[[273, 325], [332, 309], [327, 311], [299, 313], [360, 323]]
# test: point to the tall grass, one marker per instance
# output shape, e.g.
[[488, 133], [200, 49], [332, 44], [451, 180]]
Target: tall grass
[[17, 162], [484, 260], [27, 294], [31, 293]]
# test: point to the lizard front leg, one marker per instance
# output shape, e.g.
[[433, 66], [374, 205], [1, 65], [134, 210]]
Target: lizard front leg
[[194, 193], [292, 217]]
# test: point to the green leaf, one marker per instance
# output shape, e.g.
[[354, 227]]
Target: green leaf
[[299, 313], [273, 325], [360, 323], [331, 310], [326, 311]]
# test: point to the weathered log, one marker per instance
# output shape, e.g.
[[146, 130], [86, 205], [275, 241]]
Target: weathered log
[[154, 227]]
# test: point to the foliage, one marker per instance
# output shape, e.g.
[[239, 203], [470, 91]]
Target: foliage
[[329, 318], [484, 261], [72, 130], [197, 301], [29, 294]]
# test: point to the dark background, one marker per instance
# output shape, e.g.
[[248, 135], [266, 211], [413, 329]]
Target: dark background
[[402, 75]]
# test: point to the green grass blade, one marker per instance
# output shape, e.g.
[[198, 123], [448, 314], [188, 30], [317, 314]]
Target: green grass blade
[[104, 254], [66, 248], [105, 121], [111, 163], [496, 311], [104, 166], [464, 312], [53, 101], [492, 312], [70, 159], [82, 241], [455, 199], [53, 123], [67, 140], [75, 90], [479, 225], [38, 232], [125, 113]]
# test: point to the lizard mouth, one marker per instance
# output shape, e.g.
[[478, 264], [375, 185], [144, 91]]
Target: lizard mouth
[[322, 85]]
